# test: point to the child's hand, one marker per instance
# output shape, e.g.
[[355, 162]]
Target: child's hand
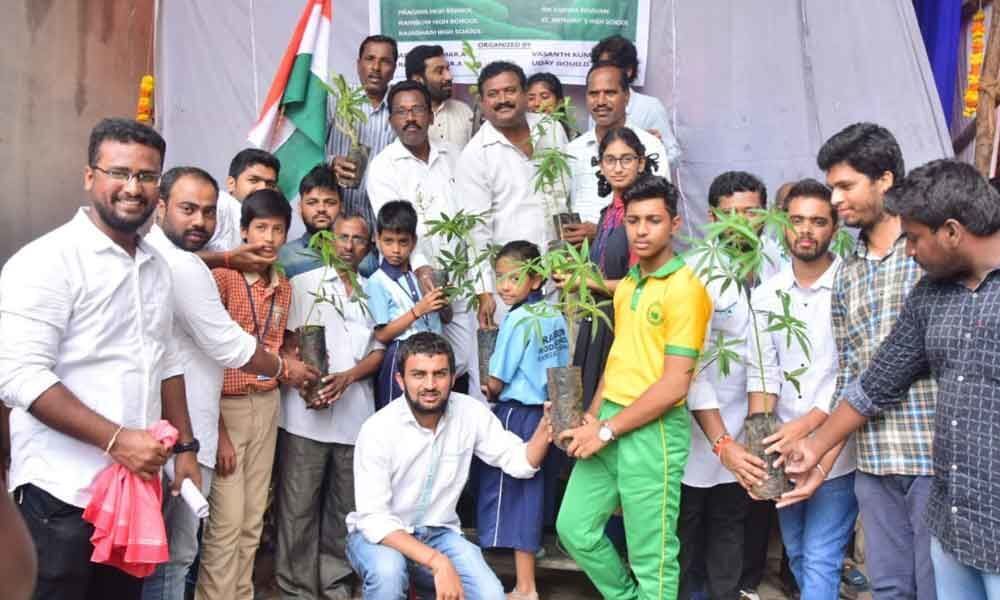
[[433, 301]]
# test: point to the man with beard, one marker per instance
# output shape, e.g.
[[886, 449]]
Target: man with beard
[[452, 118], [319, 205], [496, 174], [421, 171], [209, 341], [376, 63], [88, 362], [947, 329], [817, 517], [410, 464]]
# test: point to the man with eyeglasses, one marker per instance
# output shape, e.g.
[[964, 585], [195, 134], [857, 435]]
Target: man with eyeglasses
[[607, 98], [315, 489], [422, 172], [88, 361]]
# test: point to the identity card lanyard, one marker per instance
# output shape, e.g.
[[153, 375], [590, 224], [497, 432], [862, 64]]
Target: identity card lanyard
[[267, 323]]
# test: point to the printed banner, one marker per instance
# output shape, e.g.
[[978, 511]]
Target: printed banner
[[540, 35]]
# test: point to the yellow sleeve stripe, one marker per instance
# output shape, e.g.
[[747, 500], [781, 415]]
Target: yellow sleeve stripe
[[680, 351]]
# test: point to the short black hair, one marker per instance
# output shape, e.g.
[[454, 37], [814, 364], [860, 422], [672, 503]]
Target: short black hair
[[408, 85], [125, 131], [548, 80], [496, 68], [347, 214], [731, 182], [867, 148], [398, 216], [653, 186], [416, 59], [519, 250], [249, 157], [320, 176], [621, 51], [427, 343], [947, 189], [168, 179], [809, 188], [263, 204], [379, 39], [604, 64]]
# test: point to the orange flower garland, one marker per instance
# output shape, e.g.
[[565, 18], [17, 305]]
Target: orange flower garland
[[971, 99], [144, 108]]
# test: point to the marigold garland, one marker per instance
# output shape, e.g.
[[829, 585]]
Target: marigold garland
[[971, 98], [144, 108]]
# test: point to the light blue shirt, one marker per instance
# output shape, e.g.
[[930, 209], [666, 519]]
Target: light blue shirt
[[522, 356], [296, 257], [391, 294]]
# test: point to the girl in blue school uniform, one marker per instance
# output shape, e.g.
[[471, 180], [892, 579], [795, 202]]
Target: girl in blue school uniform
[[511, 511]]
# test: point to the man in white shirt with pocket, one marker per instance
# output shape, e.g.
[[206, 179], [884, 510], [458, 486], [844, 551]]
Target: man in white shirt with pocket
[[410, 464]]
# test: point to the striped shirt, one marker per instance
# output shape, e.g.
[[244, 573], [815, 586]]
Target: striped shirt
[[376, 133], [868, 296], [264, 316]]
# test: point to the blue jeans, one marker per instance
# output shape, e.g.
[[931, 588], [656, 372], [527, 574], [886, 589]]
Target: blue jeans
[[956, 581], [815, 533], [169, 579], [386, 574]]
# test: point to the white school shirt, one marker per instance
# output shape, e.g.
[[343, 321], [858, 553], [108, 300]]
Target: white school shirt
[[583, 150], [452, 123], [395, 458], [208, 339], [711, 389], [494, 176], [227, 234], [818, 383], [76, 309], [349, 339]]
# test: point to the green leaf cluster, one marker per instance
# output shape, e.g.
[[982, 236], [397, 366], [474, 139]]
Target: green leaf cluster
[[471, 62], [348, 115], [552, 169], [460, 258], [322, 247]]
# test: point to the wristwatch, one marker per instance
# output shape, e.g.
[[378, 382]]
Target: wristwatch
[[192, 446], [605, 433]]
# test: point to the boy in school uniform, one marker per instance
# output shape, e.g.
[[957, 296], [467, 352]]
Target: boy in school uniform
[[511, 511], [634, 442], [394, 298]]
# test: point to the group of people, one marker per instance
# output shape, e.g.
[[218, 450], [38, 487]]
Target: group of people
[[109, 324]]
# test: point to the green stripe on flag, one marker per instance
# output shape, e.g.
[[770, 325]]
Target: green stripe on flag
[[304, 104]]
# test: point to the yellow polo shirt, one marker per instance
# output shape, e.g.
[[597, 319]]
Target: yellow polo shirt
[[665, 312]]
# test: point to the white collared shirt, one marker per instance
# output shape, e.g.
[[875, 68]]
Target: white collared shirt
[[818, 382], [349, 339], [583, 150], [395, 458], [647, 112], [227, 234], [452, 123], [76, 309], [495, 176], [208, 340]]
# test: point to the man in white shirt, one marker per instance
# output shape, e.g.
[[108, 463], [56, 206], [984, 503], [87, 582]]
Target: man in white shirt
[[817, 517], [452, 118], [315, 488], [250, 170], [88, 362], [607, 96], [208, 341], [410, 464], [643, 110], [496, 173], [421, 171]]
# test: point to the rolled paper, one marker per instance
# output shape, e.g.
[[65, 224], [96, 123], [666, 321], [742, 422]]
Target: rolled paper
[[189, 492]]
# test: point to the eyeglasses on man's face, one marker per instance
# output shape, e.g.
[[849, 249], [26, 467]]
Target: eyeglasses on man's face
[[125, 176], [417, 111]]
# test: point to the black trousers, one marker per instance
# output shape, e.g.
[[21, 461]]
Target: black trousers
[[760, 518], [62, 539], [711, 531]]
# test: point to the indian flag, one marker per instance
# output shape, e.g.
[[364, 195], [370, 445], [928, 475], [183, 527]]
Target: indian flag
[[292, 123]]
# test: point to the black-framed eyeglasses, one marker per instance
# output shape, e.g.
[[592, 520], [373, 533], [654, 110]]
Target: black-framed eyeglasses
[[353, 240], [125, 176], [417, 111], [625, 161]]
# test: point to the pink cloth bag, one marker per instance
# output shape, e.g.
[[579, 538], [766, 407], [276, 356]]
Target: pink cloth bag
[[127, 515]]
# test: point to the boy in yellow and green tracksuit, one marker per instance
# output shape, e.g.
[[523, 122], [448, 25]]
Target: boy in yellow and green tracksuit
[[633, 445]]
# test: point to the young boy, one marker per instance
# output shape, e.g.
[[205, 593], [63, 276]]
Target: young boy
[[394, 297], [259, 302], [634, 442], [511, 511]]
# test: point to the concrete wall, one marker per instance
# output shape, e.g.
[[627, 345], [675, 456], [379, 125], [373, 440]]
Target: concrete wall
[[65, 65]]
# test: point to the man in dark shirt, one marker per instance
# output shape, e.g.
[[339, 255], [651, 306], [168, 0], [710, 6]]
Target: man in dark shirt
[[949, 328]]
